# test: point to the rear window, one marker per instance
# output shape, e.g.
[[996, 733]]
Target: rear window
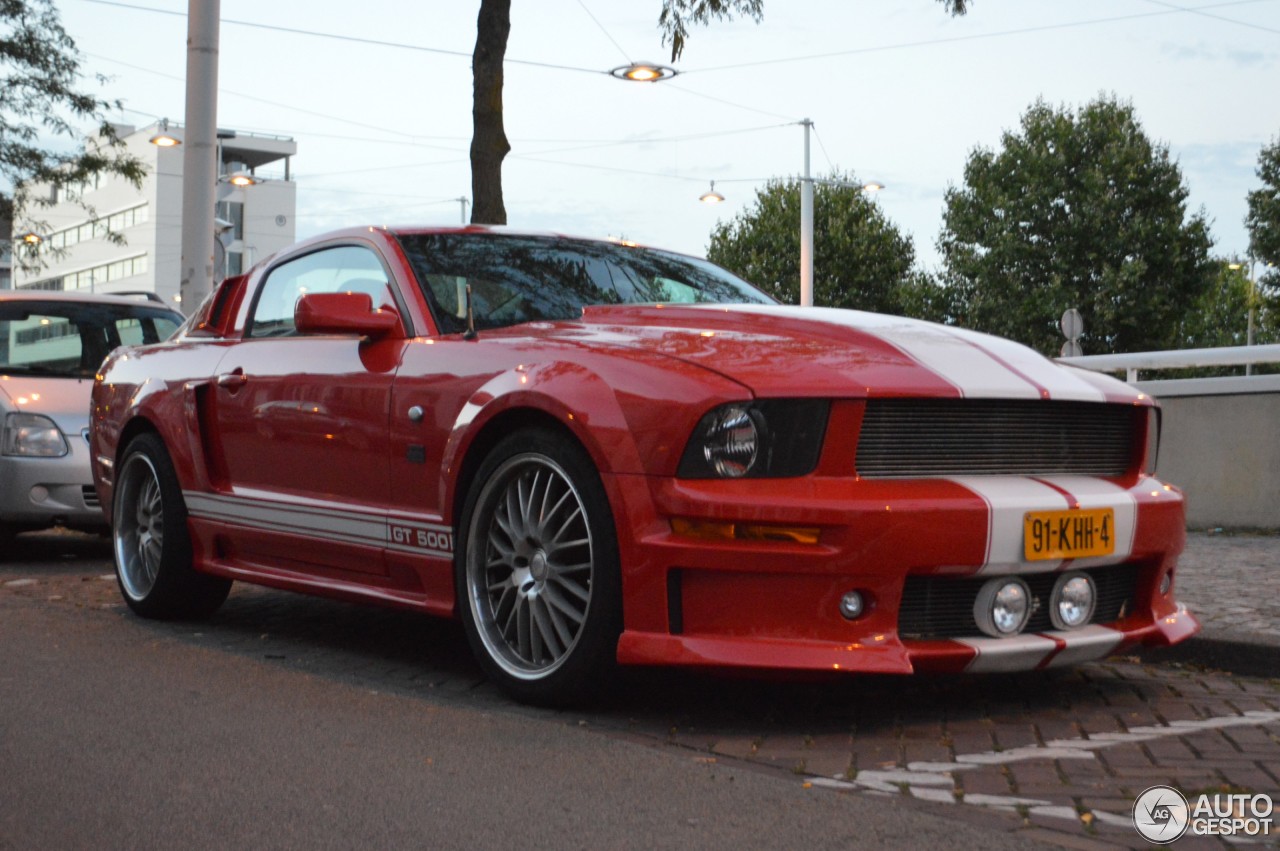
[[70, 339]]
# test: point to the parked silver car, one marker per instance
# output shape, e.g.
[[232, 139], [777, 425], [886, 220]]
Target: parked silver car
[[51, 345]]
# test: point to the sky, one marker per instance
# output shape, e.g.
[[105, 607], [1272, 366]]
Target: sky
[[377, 95]]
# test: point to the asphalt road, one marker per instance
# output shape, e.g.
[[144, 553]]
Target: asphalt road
[[120, 733]]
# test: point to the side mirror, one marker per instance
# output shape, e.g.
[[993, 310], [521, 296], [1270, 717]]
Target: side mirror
[[343, 313]]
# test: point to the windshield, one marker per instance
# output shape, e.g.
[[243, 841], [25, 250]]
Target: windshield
[[68, 339], [517, 279]]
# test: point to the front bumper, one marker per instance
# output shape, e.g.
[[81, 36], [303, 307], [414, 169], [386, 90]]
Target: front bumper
[[42, 492], [768, 605]]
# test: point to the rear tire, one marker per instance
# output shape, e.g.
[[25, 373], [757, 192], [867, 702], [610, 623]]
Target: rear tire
[[537, 574], [150, 539]]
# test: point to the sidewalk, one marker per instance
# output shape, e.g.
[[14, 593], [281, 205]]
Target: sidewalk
[[1231, 583]]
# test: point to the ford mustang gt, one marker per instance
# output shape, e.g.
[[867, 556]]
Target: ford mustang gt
[[597, 454]]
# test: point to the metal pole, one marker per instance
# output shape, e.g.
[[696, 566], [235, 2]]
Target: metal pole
[[1253, 300], [463, 202], [199, 157], [806, 225]]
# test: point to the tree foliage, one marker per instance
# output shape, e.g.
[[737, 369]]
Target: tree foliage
[[860, 259], [41, 110], [1263, 220], [678, 15], [1076, 210]]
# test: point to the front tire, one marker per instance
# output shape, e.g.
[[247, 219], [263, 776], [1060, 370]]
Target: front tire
[[537, 577], [150, 539]]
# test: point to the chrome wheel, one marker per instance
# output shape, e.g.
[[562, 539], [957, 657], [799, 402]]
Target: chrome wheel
[[530, 565], [138, 530], [150, 539]]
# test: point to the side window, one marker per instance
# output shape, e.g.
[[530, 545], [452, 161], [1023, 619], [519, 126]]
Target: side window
[[347, 268]]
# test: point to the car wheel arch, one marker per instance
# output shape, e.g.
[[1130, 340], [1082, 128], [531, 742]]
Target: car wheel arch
[[491, 432], [138, 425]]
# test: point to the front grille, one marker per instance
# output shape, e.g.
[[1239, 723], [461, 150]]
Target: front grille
[[942, 606], [914, 438], [90, 496]]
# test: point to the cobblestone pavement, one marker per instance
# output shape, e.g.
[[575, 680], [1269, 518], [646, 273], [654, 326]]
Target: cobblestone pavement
[[1055, 757], [1232, 583]]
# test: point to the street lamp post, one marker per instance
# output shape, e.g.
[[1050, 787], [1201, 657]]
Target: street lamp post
[[806, 225], [199, 166], [1253, 303]]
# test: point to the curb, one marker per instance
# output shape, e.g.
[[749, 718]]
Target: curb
[[1247, 657]]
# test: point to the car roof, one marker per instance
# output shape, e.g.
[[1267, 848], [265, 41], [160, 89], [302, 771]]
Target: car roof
[[131, 299], [503, 230]]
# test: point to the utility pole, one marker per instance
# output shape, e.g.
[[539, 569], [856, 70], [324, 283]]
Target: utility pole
[[806, 225], [199, 156]]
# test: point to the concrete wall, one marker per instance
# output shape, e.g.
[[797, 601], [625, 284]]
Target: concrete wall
[[1223, 450]]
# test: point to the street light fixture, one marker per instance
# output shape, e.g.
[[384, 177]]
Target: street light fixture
[[643, 72], [31, 238], [163, 138], [711, 197]]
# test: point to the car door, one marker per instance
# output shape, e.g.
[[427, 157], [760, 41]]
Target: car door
[[302, 422]]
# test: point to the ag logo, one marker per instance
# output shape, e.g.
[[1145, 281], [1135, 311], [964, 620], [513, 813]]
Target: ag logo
[[1161, 814]]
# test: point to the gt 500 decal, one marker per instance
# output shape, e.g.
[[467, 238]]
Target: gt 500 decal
[[429, 538], [342, 524]]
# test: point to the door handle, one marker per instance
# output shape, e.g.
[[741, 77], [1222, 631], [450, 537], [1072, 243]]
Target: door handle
[[233, 380]]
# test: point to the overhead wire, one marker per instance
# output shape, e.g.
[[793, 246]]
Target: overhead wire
[[605, 31], [1204, 14]]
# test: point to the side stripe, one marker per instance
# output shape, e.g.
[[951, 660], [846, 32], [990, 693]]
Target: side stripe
[[346, 525]]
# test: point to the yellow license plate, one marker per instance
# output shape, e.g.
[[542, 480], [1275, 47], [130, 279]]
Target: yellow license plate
[[1077, 533]]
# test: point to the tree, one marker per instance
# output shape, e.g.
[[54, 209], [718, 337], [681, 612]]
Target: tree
[[860, 259], [1263, 220], [40, 110], [489, 145], [1076, 210]]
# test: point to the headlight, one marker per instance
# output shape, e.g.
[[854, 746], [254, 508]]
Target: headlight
[[1072, 602], [33, 436], [763, 439], [1003, 607]]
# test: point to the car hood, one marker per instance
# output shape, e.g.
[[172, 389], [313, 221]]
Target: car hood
[[777, 350], [64, 400]]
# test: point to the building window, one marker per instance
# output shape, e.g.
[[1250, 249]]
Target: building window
[[115, 223], [91, 279], [233, 211]]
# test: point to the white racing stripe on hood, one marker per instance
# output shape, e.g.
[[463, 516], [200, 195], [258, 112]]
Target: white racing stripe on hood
[[977, 365]]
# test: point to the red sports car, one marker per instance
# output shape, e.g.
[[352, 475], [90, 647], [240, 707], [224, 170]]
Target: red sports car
[[594, 454]]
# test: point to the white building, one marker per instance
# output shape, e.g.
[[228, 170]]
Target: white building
[[255, 217]]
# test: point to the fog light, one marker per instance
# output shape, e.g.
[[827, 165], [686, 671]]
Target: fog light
[[851, 605], [1072, 601], [39, 493], [1166, 583], [1003, 607]]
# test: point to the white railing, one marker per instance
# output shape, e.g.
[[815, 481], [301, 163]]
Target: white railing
[[1131, 364]]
